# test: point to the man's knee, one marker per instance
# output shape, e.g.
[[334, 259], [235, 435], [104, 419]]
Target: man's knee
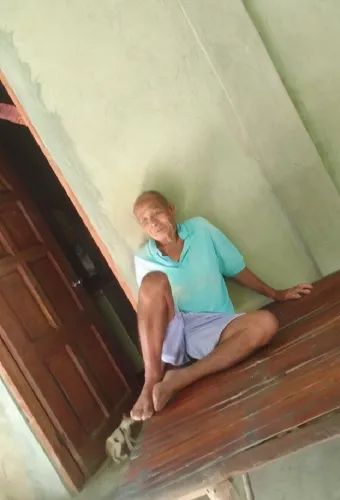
[[266, 326], [270, 326], [154, 283]]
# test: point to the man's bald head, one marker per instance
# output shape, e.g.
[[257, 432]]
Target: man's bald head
[[151, 194], [156, 215]]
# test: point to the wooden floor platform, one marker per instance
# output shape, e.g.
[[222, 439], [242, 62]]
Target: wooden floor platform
[[280, 400]]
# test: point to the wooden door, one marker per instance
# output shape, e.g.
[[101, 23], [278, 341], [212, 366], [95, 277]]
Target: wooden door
[[55, 352]]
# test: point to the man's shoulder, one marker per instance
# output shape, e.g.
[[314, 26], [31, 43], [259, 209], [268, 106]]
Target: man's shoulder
[[192, 225], [196, 222], [196, 225]]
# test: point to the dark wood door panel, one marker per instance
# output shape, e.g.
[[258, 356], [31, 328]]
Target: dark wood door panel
[[36, 320], [54, 333], [15, 222], [94, 354], [65, 302], [78, 390], [35, 414]]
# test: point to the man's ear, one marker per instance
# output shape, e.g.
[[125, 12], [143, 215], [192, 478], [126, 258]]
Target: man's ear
[[172, 208]]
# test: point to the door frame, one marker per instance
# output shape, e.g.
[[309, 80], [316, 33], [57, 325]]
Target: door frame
[[93, 232], [16, 383]]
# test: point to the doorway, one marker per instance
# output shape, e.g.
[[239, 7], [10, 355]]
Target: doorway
[[30, 165], [68, 332]]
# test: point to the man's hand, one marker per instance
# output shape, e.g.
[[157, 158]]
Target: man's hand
[[248, 279], [297, 292]]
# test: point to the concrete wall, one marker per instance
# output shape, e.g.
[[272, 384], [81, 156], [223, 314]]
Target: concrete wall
[[310, 474], [25, 471], [303, 39], [181, 96], [230, 108]]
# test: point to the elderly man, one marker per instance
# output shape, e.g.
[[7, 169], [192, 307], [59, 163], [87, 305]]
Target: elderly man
[[184, 310]]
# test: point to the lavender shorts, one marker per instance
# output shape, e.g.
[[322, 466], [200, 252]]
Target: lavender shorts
[[193, 335]]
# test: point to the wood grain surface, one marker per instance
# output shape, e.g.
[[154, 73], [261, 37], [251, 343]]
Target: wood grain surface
[[281, 399]]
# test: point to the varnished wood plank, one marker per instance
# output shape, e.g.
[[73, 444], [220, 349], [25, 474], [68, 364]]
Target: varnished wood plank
[[325, 294], [154, 478], [291, 383], [287, 403], [310, 434], [294, 345]]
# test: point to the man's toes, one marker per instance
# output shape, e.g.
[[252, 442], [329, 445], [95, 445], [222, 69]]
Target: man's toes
[[143, 410], [148, 412], [136, 414]]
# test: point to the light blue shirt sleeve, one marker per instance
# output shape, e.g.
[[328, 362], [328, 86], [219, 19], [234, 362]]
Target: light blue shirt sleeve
[[230, 259]]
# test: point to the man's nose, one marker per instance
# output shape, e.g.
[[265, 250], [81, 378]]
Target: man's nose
[[152, 221]]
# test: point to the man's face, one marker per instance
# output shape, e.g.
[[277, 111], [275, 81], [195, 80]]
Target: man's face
[[157, 219]]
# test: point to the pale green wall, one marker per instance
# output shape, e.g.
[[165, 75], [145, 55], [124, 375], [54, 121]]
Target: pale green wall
[[25, 472], [303, 39], [181, 96], [185, 97]]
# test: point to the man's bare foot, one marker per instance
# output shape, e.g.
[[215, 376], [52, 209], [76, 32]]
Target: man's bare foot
[[143, 408], [163, 391]]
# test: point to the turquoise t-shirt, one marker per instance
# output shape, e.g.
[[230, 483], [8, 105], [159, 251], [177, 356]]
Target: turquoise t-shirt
[[197, 280]]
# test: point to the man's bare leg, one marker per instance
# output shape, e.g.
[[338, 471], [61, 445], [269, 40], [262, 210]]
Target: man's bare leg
[[155, 311], [238, 340]]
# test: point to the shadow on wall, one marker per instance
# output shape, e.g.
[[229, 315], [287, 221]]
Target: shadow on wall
[[199, 181]]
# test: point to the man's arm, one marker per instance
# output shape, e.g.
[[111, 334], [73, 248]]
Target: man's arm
[[249, 280], [232, 265]]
